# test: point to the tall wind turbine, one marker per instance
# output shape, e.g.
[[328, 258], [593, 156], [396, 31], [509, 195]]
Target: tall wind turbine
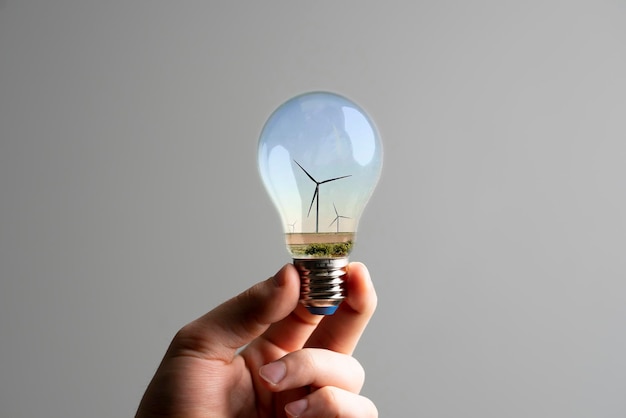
[[317, 194], [337, 218]]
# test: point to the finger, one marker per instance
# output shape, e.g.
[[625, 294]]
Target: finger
[[314, 367], [230, 326], [331, 402], [290, 333], [341, 332]]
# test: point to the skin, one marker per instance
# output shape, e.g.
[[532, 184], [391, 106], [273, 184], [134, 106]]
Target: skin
[[294, 364]]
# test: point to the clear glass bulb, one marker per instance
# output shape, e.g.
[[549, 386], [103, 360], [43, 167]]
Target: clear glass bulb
[[320, 157]]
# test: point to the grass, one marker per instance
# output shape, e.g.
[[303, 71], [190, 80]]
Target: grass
[[340, 249]]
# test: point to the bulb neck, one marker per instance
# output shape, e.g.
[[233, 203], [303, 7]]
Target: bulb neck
[[321, 283]]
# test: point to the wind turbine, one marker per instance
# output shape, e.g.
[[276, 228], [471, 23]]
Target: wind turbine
[[293, 226], [317, 194], [337, 218]]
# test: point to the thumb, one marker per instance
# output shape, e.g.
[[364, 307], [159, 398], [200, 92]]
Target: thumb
[[221, 332]]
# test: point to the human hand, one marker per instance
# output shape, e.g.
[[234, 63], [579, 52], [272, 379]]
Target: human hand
[[294, 364]]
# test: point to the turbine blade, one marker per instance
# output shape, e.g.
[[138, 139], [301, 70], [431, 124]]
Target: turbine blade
[[312, 200], [331, 224], [306, 172], [336, 178], [336, 213]]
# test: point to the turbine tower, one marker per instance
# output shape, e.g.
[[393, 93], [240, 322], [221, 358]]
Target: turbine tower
[[337, 218], [317, 194]]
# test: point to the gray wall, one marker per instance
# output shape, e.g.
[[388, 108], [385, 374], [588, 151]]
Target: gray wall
[[496, 237]]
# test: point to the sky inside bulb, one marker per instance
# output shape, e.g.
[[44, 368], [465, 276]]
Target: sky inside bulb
[[320, 157]]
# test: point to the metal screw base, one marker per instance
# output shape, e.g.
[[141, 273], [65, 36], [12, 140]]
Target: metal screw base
[[321, 288]]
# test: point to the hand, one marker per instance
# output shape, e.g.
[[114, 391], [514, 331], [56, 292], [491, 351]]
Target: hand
[[294, 364]]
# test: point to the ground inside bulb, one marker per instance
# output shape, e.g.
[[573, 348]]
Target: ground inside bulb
[[319, 245]]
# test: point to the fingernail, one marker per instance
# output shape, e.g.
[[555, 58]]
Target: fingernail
[[273, 372], [297, 408], [279, 278]]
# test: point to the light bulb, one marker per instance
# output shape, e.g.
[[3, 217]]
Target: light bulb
[[320, 157]]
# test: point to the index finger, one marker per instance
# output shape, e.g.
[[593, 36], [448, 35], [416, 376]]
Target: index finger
[[221, 332], [341, 332]]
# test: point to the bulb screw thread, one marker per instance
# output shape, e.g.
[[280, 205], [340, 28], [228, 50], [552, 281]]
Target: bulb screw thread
[[321, 283]]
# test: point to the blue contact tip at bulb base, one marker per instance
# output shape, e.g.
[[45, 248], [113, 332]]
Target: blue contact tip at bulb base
[[322, 310]]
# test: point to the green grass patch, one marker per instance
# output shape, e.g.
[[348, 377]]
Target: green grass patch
[[340, 249]]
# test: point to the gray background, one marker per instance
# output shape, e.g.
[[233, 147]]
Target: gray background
[[496, 237]]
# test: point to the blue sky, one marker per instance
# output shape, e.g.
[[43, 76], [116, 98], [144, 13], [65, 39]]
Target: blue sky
[[330, 137]]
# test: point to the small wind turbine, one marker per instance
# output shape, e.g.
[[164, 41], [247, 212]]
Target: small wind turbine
[[293, 226], [337, 218], [317, 194]]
